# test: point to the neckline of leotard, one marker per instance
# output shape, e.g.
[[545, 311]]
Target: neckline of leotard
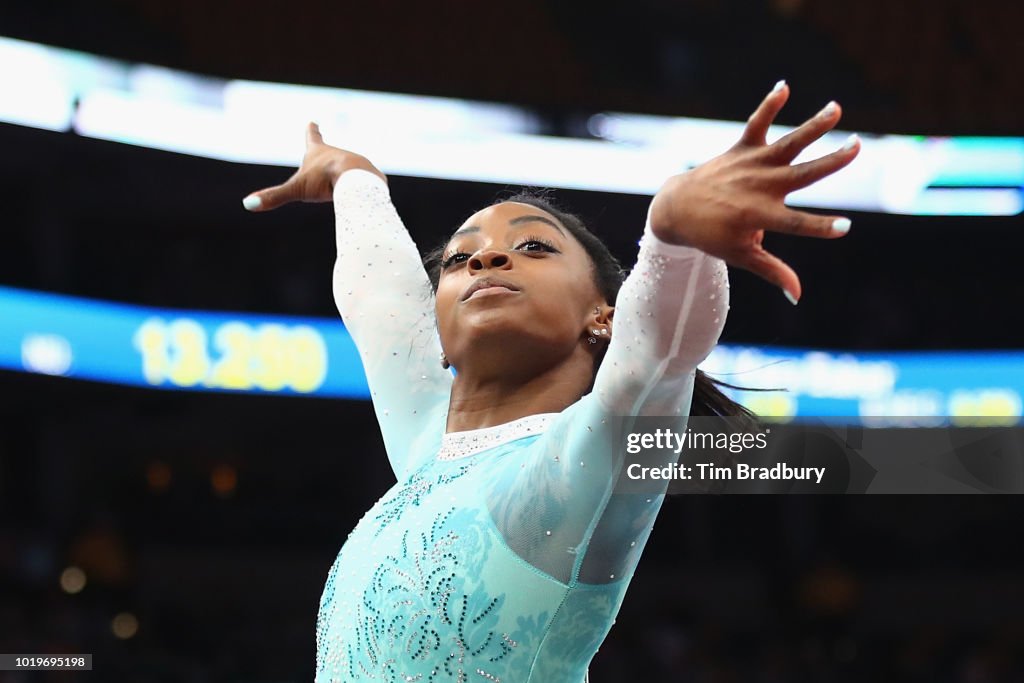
[[456, 445]]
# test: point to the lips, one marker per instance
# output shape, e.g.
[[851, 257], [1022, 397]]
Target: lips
[[486, 282]]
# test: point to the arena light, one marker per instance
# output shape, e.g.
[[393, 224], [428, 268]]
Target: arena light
[[243, 353], [34, 88], [433, 137], [275, 104], [893, 174]]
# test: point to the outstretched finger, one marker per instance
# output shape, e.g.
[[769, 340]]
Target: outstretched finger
[[271, 198], [313, 136], [810, 172], [803, 224], [757, 125], [773, 269], [789, 146]]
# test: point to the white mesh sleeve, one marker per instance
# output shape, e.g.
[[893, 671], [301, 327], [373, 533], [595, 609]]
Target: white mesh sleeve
[[385, 299], [669, 315]]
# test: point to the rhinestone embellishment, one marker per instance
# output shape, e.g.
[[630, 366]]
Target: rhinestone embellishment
[[455, 445]]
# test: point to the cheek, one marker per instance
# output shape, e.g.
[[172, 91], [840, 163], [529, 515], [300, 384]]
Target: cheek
[[447, 302], [565, 303], [445, 298]]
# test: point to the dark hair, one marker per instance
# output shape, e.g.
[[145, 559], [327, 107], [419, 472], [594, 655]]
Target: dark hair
[[708, 399]]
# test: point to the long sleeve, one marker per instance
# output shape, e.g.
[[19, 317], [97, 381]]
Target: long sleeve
[[384, 297], [669, 315]]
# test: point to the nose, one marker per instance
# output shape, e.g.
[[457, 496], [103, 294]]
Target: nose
[[490, 258]]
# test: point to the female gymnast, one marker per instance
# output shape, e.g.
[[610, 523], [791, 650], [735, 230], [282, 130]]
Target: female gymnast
[[503, 551]]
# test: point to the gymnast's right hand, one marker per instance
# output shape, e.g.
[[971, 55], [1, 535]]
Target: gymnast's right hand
[[321, 167]]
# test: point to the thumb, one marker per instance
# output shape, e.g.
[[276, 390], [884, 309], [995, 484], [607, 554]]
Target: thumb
[[776, 271], [313, 136], [271, 197]]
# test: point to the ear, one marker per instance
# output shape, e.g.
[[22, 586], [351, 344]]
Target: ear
[[600, 319]]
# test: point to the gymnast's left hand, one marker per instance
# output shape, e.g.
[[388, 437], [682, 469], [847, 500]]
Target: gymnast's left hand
[[724, 207]]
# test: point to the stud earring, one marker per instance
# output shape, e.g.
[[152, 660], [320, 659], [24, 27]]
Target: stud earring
[[444, 361], [591, 340]]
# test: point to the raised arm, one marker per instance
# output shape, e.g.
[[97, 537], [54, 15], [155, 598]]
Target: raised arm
[[384, 296], [669, 315], [672, 308], [380, 288]]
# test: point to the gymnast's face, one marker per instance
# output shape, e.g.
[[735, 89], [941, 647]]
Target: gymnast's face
[[516, 282]]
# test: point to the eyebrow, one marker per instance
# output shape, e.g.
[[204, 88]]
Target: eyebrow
[[515, 221]]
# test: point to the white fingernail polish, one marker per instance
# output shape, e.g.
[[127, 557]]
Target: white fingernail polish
[[851, 142], [779, 86], [841, 225], [789, 297], [830, 108], [252, 202]]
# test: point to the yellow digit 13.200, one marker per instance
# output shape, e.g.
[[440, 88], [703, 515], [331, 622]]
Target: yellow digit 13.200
[[268, 357]]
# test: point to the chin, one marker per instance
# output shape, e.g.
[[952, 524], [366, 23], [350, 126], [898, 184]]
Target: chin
[[485, 325], [486, 317]]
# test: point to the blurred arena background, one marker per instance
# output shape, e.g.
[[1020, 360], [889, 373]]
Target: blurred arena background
[[182, 534]]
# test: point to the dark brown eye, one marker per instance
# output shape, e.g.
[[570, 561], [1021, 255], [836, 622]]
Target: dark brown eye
[[534, 244], [456, 258]]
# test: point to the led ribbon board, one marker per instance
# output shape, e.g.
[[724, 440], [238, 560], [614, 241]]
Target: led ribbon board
[[434, 137], [173, 349], [900, 389], [205, 351]]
